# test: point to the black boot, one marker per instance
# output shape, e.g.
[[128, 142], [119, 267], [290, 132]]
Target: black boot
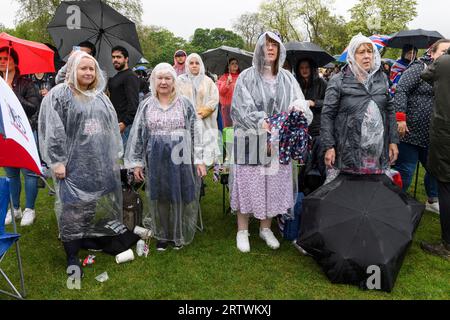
[[441, 249], [73, 262]]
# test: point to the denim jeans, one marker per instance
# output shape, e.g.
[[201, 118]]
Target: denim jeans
[[125, 136], [31, 187], [408, 157]]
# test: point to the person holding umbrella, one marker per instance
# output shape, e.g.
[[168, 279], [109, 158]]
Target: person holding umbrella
[[226, 85], [409, 55], [167, 122], [85, 46], [358, 129], [313, 88], [80, 141], [260, 186], [414, 105], [29, 99]]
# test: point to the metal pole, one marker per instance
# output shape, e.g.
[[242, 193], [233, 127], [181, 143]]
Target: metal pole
[[19, 259], [417, 180]]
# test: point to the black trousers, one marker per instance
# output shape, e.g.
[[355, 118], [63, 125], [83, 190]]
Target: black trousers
[[444, 208]]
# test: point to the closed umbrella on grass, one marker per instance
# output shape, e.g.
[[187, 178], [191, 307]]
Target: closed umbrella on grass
[[356, 223]]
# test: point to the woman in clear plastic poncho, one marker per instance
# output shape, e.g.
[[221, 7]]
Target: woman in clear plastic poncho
[[359, 129], [162, 141], [204, 95], [260, 186], [80, 140]]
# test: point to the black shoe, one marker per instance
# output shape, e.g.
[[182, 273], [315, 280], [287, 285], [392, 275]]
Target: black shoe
[[441, 250], [176, 247], [162, 245]]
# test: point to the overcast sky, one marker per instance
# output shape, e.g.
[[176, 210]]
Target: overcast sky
[[183, 17]]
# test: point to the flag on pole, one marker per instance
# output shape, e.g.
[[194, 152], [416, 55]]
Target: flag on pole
[[17, 144]]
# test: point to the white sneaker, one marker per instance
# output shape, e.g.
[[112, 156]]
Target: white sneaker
[[29, 216], [432, 207], [267, 235], [243, 244], [17, 215]]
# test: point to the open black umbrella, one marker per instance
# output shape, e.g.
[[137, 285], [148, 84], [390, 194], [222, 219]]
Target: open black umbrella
[[94, 21], [357, 222], [297, 51], [419, 38], [216, 60]]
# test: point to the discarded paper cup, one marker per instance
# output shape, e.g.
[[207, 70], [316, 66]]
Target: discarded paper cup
[[142, 232], [125, 256]]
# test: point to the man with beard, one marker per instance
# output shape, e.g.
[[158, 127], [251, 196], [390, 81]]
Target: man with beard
[[124, 91]]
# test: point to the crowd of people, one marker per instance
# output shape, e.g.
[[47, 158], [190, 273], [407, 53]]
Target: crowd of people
[[360, 120]]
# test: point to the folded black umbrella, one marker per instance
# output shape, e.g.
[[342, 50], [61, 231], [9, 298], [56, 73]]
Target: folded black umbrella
[[358, 222], [297, 51], [419, 38], [216, 60], [99, 24]]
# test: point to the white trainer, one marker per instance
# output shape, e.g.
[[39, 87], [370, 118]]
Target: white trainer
[[243, 244], [29, 215], [432, 207], [267, 235], [17, 215]]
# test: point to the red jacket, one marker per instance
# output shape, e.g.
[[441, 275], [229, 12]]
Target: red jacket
[[226, 92]]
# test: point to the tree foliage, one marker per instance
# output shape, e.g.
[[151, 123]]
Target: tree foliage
[[381, 16], [281, 16], [204, 39], [249, 26], [159, 44]]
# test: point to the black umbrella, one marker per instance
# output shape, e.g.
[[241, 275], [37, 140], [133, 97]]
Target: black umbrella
[[421, 39], [357, 222], [297, 51], [94, 21], [216, 60]]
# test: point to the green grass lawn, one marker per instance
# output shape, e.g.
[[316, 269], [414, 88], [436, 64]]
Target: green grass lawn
[[212, 267]]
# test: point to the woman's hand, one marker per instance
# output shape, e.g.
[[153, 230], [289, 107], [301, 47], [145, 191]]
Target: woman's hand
[[330, 158], [201, 170], [204, 112], [266, 126], [139, 174], [312, 104], [402, 129], [60, 172], [393, 153]]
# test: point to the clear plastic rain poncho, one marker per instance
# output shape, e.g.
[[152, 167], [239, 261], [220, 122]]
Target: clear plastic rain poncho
[[79, 129], [372, 129], [162, 141], [261, 93], [204, 95]]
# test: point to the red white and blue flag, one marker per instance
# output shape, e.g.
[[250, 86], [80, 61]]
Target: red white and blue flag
[[17, 144]]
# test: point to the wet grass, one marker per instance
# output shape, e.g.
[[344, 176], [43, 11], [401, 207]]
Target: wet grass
[[212, 268]]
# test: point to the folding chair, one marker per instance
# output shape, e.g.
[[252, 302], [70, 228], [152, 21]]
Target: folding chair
[[8, 240]]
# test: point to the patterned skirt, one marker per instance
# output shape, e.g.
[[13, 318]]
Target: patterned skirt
[[263, 192]]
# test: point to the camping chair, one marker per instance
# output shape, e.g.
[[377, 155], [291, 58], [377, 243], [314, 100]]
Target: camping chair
[[7, 240]]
